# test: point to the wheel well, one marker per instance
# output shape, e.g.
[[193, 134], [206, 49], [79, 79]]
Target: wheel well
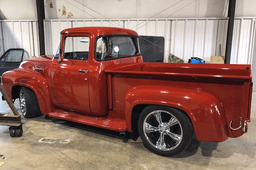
[[15, 92], [135, 117]]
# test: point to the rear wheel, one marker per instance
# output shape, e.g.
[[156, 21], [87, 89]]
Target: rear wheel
[[194, 144], [28, 103], [165, 131]]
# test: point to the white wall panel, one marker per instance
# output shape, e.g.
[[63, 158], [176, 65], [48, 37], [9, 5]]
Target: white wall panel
[[47, 37], [1, 40], [199, 38], [243, 41], [161, 28], [20, 34], [189, 39], [235, 41], [243, 55], [222, 36], [210, 39], [151, 27], [142, 26], [167, 40], [178, 38]]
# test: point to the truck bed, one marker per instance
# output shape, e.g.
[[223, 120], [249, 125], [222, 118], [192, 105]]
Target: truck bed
[[230, 84]]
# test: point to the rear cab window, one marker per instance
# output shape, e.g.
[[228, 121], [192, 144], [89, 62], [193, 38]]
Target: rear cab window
[[116, 46]]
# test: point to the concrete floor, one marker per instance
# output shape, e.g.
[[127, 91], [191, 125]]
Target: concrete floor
[[55, 144]]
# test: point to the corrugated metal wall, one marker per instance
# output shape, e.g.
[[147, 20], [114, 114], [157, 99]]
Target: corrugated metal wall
[[198, 38], [183, 37], [19, 34], [143, 27]]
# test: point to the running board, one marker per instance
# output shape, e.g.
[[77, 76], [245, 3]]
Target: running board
[[101, 122]]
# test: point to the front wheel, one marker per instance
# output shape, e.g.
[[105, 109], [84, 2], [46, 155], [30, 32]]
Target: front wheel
[[28, 103], [165, 131]]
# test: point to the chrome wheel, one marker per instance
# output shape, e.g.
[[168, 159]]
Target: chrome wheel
[[28, 103], [165, 130], [22, 102], [162, 130]]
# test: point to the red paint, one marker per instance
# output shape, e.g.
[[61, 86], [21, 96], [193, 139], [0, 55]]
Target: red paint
[[211, 95], [103, 122]]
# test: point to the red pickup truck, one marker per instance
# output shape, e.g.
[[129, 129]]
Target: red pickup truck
[[98, 78]]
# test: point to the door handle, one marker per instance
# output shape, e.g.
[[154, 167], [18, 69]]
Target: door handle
[[84, 71]]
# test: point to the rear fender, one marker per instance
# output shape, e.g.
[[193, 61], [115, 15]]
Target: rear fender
[[32, 80], [204, 110]]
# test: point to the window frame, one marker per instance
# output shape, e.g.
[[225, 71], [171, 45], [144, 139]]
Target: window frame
[[64, 46]]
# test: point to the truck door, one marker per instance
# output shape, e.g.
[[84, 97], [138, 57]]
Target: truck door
[[11, 59], [69, 77]]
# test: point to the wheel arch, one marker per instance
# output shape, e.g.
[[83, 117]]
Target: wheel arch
[[41, 95], [16, 91], [136, 111], [204, 110], [15, 79]]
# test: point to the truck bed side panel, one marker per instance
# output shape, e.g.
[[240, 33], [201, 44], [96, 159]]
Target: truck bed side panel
[[229, 84]]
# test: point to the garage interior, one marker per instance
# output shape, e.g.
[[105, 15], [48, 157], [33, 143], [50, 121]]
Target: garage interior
[[191, 28]]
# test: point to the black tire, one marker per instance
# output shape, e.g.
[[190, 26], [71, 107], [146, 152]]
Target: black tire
[[28, 103], [194, 144], [167, 136], [16, 131]]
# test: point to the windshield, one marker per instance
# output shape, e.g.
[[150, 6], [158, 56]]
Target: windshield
[[113, 47]]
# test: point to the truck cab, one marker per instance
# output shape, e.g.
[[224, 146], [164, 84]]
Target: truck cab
[[80, 63]]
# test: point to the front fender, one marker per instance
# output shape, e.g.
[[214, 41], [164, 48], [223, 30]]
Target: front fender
[[30, 79], [204, 110]]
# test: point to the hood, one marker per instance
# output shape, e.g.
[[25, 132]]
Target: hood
[[38, 62]]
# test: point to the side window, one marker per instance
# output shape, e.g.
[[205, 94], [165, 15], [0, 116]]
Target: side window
[[76, 48], [13, 56], [4, 57]]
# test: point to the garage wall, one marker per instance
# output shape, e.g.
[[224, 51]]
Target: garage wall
[[97, 9], [19, 34], [198, 38], [94, 9], [183, 37], [161, 27], [18, 9]]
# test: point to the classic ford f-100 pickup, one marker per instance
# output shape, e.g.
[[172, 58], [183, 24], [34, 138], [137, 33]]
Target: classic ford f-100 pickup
[[98, 78]]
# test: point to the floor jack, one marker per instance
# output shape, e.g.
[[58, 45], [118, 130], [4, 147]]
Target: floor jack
[[14, 121]]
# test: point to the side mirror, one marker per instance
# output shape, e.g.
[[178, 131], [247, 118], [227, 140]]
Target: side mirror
[[59, 58]]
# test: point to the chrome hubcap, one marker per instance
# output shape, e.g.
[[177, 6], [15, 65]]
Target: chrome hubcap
[[22, 102], [162, 130]]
